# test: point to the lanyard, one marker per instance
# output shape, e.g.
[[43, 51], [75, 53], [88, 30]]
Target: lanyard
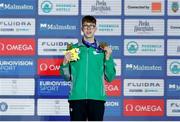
[[93, 45]]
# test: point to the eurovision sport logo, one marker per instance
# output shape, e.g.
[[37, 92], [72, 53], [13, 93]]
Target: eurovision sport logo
[[17, 66], [53, 87], [113, 107]]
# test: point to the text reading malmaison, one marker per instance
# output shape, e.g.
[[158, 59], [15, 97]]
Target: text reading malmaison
[[17, 7], [17, 63], [143, 67], [58, 27]]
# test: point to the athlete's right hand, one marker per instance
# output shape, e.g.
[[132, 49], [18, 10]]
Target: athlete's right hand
[[67, 58]]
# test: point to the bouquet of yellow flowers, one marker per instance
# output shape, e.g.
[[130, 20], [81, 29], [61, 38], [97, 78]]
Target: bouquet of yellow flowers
[[74, 52]]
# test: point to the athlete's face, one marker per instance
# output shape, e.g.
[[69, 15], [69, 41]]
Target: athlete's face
[[89, 29]]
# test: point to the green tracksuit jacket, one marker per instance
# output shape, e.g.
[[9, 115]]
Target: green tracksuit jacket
[[88, 74]]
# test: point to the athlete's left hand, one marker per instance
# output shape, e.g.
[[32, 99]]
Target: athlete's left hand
[[108, 52]]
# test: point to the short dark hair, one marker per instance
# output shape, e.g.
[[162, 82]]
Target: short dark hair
[[88, 18]]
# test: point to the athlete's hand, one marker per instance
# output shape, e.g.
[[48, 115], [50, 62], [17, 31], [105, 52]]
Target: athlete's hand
[[67, 58], [108, 52]]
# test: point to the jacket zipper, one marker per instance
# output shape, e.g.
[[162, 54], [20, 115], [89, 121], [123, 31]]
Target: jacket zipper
[[87, 58]]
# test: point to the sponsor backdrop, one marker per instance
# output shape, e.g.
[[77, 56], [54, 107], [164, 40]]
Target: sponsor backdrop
[[143, 34]]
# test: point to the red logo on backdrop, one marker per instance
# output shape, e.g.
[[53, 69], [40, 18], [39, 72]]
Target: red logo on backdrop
[[156, 7], [143, 107], [113, 88], [48, 66], [17, 46]]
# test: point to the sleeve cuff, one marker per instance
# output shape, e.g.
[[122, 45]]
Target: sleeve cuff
[[64, 66], [110, 60]]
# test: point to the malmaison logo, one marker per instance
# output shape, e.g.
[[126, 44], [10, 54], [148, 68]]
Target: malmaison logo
[[62, 27], [143, 67], [48, 26], [4, 6]]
